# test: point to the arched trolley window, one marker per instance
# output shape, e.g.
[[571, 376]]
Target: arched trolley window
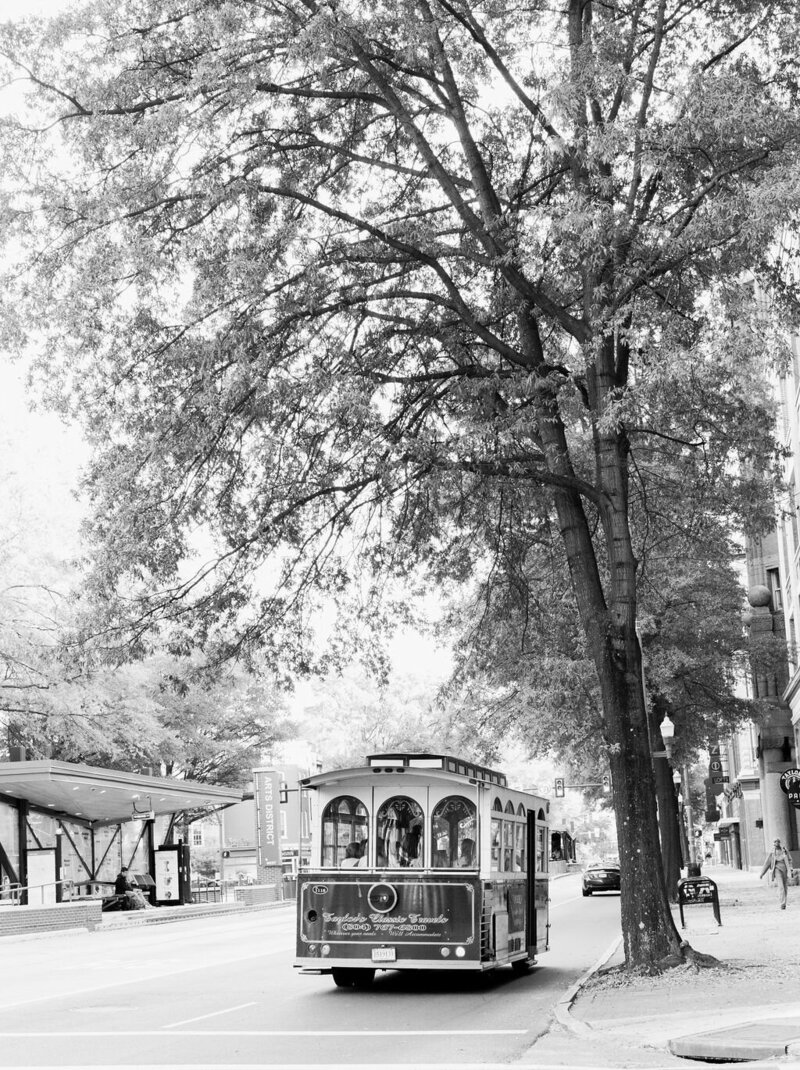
[[497, 833], [520, 838], [399, 831], [344, 821], [541, 843], [508, 838], [454, 828]]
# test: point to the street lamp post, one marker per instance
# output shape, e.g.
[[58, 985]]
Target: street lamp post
[[667, 729]]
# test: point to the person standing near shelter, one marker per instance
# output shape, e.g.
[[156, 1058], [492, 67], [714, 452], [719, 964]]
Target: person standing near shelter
[[779, 864]]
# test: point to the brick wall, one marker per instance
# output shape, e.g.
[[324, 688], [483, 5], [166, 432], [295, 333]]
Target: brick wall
[[15, 921], [256, 894]]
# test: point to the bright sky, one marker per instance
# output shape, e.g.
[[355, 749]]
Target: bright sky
[[17, 9]]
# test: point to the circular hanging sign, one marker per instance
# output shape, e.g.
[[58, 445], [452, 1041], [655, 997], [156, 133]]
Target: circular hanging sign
[[790, 785]]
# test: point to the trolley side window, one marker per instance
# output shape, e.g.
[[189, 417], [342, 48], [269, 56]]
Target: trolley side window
[[497, 832], [508, 838], [454, 833], [344, 821], [541, 841], [520, 835], [400, 833]]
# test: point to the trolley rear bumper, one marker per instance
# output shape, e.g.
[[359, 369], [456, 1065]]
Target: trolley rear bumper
[[306, 967]]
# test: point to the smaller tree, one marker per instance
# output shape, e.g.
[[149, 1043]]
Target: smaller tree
[[163, 714]]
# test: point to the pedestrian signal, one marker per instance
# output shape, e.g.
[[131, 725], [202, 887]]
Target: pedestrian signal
[[606, 782], [559, 787]]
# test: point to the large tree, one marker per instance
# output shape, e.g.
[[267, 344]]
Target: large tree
[[331, 282], [523, 669]]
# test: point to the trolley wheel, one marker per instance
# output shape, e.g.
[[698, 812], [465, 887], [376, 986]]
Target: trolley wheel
[[521, 966], [587, 891], [352, 977]]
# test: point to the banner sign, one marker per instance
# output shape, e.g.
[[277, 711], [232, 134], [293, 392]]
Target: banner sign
[[335, 911], [168, 875], [267, 798]]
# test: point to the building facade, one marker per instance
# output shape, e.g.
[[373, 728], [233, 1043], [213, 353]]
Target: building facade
[[755, 808]]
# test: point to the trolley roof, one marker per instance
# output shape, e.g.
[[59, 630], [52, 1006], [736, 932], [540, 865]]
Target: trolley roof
[[412, 763]]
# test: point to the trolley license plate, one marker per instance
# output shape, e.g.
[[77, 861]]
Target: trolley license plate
[[384, 954]]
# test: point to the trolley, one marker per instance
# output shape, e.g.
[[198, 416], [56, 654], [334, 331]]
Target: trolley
[[421, 862]]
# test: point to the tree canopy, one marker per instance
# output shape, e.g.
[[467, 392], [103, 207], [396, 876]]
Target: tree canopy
[[335, 287]]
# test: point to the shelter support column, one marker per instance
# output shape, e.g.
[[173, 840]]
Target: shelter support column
[[151, 857], [22, 818], [59, 865]]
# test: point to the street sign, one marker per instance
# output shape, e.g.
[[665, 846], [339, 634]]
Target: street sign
[[790, 785], [720, 780]]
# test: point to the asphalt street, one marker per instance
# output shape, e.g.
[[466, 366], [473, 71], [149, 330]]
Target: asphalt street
[[221, 993]]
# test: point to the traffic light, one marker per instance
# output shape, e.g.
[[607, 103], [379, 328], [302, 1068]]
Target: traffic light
[[559, 787], [284, 795], [606, 783]]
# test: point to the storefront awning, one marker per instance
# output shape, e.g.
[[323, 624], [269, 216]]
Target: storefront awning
[[106, 795], [724, 822]]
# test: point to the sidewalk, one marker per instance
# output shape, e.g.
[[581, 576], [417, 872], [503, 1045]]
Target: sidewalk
[[746, 1009]]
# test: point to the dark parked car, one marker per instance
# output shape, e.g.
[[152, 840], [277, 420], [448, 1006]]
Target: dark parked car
[[601, 877]]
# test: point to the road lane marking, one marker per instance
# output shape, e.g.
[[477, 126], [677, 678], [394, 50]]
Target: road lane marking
[[213, 1014], [327, 1066], [81, 1035]]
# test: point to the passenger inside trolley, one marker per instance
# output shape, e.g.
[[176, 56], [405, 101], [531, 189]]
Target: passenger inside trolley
[[466, 855], [352, 855]]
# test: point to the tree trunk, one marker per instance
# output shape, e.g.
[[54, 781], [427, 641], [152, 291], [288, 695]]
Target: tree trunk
[[671, 853], [609, 623], [648, 927]]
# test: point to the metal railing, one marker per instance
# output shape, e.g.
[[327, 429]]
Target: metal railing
[[12, 893]]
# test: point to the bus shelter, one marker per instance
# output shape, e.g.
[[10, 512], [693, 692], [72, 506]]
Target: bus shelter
[[67, 829]]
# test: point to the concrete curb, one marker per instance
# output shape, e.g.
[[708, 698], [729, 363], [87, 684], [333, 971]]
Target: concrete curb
[[561, 1010], [43, 934], [170, 915]]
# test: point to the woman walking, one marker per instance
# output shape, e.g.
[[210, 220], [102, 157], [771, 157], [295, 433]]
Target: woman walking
[[779, 864]]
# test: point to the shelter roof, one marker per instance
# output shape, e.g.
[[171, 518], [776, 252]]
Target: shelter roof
[[106, 795]]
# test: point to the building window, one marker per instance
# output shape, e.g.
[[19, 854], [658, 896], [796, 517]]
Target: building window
[[197, 835], [774, 585]]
